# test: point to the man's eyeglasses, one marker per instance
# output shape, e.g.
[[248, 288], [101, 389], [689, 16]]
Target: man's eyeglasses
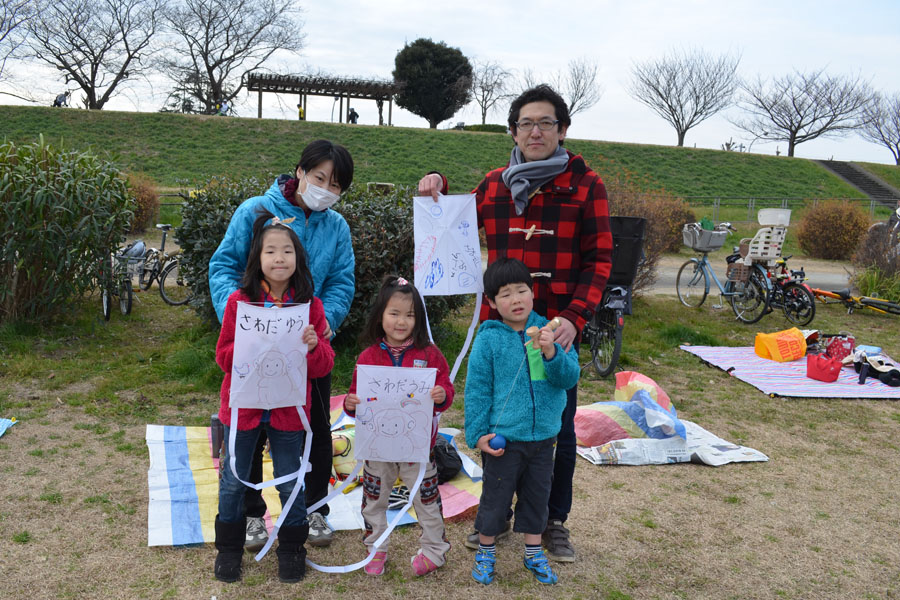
[[543, 125]]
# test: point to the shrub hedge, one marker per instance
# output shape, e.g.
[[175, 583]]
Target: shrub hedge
[[832, 230], [380, 223], [146, 207], [61, 213]]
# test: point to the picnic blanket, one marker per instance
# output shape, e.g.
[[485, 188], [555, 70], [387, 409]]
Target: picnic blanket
[[642, 427], [183, 485], [788, 378]]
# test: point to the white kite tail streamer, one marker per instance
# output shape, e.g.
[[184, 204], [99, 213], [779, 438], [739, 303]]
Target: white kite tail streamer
[[465, 349], [384, 536], [299, 475]]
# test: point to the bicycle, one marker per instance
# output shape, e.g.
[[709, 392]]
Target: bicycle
[[603, 333], [786, 290], [115, 283], [744, 285], [164, 268], [852, 302]]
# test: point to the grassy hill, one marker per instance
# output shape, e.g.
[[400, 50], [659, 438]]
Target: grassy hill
[[174, 148]]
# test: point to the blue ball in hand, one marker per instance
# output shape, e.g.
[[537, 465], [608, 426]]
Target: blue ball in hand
[[497, 442]]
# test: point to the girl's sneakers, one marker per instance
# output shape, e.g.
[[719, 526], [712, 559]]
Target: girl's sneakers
[[376, 565], [422, 565]]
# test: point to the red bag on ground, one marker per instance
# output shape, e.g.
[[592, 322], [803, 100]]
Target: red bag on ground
[[822, 367], [839, 346]]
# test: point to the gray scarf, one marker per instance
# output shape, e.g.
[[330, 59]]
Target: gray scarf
[[524, 178]]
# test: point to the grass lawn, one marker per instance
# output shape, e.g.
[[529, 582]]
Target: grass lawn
[[819, 520]]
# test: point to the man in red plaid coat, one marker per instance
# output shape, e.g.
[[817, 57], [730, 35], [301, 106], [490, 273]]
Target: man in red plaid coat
[[549, 210]]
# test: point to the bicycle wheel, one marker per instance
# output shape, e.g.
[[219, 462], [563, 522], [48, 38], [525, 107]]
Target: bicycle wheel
[[798, 303], [692, 284], [604, 334], [882, 305], [749, 299], [125, 296], [172, 286], [148, 273]]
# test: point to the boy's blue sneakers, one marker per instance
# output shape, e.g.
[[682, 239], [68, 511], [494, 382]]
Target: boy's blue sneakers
[[483, 571], [539, 565]]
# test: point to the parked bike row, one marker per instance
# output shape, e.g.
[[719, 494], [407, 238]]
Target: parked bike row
[[137, 262]]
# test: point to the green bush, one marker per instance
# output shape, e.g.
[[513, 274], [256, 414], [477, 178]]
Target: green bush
[[489, 127], [381, 226], [61, 213], [146, 207], [832, 230], [383, 241], [205, 214]]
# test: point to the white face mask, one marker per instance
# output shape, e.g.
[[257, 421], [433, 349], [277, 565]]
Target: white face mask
[[317, 198]]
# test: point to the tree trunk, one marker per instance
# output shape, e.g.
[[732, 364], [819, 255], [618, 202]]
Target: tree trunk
[[681, 138], [433, 124]]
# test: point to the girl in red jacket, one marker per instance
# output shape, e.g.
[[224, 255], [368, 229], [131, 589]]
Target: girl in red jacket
[[398, 336], [276, 274]]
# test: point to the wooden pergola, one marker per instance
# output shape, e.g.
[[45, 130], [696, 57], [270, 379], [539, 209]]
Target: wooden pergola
[[335, 87]]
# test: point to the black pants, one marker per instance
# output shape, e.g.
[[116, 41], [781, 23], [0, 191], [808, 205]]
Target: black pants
[[320, 454]]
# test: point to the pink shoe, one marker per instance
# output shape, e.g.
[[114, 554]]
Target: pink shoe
[[422, 565], [376, 565]]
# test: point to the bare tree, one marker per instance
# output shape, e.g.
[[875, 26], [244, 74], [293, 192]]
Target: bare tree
[[800, 107], [13, 13], [96, 44], [578, 85], [881, 123], [685, 88], [490, 86], [215, 44]]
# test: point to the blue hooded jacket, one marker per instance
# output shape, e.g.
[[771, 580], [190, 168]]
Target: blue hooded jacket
[[526, 396], [325, 237]]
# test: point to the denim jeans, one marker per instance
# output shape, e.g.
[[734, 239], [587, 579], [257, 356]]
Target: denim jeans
[[286, 448]]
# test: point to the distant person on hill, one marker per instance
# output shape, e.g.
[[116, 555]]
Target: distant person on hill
[[223, 108], [324, 172], [549, 210], [62, 100], [301, 114], [353, 117]]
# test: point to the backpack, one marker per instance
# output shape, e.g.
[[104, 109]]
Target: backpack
[[446, 460]]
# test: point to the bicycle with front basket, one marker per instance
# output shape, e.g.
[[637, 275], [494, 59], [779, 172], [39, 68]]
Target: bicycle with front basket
[[745, 284], [164, 268], [603, 333], [115, 284]]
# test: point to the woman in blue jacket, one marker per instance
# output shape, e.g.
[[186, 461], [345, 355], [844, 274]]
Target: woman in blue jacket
[[324, 172]]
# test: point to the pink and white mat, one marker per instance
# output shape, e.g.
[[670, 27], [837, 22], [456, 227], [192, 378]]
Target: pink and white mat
[[788, 379]]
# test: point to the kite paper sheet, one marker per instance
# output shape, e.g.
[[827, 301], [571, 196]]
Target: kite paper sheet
[[448, 257], [269, 366], [395, 414]]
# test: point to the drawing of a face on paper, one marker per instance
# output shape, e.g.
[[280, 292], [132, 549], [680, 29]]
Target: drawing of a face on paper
[[448, 257], [394, 419], [269, 364]]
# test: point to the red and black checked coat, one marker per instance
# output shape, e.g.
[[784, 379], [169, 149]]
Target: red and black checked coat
[[576, 256]]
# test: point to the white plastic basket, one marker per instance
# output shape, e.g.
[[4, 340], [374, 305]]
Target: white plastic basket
[[702, 240], [774, 217]]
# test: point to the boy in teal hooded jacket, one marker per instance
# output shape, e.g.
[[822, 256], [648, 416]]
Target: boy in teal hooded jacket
[[517, 392]]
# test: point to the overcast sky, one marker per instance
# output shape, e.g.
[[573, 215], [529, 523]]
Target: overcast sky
[[360, 38]]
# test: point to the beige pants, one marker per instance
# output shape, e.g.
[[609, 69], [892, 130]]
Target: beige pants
[[378, 479]]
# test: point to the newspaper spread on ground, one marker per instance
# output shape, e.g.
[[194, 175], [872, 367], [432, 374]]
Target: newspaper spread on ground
[[701, 446]]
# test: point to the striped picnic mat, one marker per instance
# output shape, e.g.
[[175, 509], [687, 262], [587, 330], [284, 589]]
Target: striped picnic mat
[[789, 379]]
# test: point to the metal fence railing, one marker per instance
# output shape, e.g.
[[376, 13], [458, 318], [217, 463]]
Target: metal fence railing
[[753, 204]]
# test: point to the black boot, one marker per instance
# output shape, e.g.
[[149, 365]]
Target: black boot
[[230, 544], [291, 553]]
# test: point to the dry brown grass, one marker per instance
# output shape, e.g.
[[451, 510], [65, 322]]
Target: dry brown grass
[[819, 520]]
